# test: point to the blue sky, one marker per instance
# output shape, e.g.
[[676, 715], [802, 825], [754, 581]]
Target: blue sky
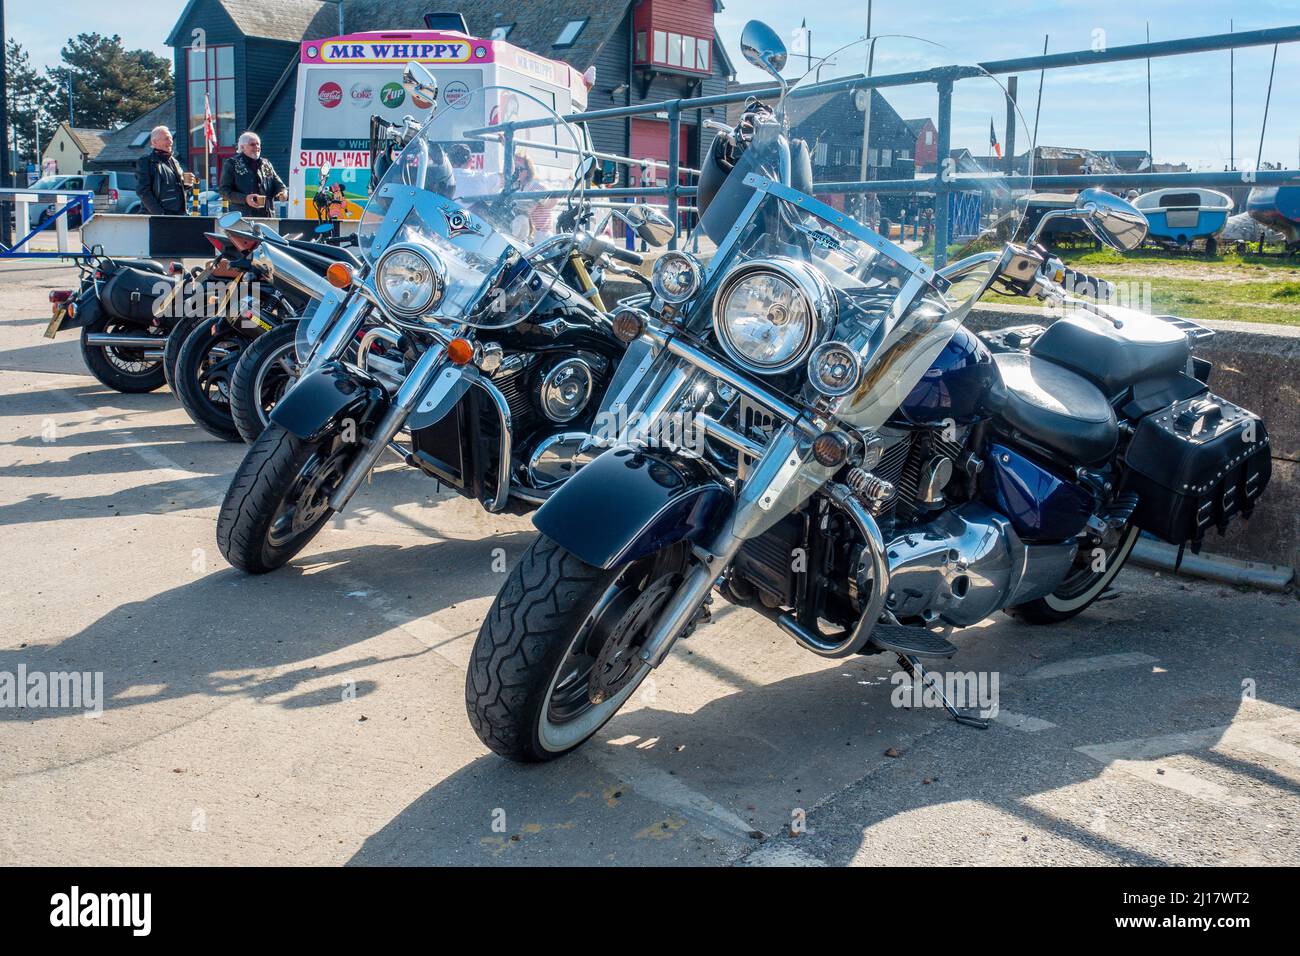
[[1098, 107]]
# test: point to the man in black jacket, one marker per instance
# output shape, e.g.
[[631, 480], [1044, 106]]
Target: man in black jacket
[[159, 178], [249, 182]]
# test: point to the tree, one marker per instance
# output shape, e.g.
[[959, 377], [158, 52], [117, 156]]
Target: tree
[[31, 97], [111, 86]]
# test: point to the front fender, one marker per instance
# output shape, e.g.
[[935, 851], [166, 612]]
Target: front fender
[[627, 504], [332, 393]]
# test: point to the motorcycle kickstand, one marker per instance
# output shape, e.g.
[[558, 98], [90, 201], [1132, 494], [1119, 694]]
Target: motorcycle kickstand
[[912, 665]]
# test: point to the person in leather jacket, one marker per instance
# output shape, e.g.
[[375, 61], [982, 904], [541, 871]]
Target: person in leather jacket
[[161, 181], [250, 183]]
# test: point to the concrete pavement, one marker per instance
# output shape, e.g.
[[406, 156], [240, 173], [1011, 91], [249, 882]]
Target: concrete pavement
[[316, 715]]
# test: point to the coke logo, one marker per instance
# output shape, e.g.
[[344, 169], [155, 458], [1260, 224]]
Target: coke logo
[[330, 95], [362, 94]]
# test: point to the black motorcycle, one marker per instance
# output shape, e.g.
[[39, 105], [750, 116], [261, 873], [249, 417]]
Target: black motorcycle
[[491, 363], [242, 303], [124, 309], [807, 426]]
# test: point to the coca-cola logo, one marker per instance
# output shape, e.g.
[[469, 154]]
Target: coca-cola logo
[[330, 95], [362, 94]]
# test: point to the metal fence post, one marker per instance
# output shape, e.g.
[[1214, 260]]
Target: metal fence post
[[942, 173], [674, 162]]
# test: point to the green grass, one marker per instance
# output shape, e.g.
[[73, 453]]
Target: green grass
[[1226, 287]]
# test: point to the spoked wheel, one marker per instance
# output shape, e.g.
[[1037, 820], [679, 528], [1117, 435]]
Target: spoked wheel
[[1096, 566], [123, 369], [264, 373], [279, 498], [558, 654], [202, 377]]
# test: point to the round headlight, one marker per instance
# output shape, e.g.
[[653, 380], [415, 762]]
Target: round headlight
[[768, 314], [677, 277], [834, 369], [410, 280]]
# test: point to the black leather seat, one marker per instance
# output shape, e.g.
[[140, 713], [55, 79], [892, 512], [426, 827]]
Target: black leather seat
[[325, 251], [1056, 408], [1114, 358]]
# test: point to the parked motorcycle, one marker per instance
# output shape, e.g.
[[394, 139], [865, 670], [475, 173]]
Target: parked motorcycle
[[493, 364], [245, 306], [123, 308], [844, 457]]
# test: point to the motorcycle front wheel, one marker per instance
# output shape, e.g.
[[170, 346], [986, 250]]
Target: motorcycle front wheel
[[279, 497], [263, 374], [202, 377], [175, 339], [557, 655]]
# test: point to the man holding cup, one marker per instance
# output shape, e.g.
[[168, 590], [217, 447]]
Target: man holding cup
[[249, 182], [160, 180]]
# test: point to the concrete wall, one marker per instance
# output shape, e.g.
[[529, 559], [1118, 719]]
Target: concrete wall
[[1257, 367]]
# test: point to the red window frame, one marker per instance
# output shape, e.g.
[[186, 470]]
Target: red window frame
[[211, 83]]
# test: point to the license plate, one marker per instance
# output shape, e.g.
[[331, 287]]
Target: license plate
[[52, 329]]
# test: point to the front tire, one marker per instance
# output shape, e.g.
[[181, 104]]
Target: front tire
[[263, 374], [279, 498], [175, 339], [121, 369], [556, 656], [202, 377], [1080, 588]]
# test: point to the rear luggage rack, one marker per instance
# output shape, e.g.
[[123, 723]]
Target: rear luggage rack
[[1194, 331]]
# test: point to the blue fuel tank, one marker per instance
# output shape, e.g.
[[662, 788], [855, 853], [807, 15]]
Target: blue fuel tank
[[956, 388]]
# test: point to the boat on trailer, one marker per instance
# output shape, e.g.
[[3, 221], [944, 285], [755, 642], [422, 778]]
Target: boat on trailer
[[1180, 216], [1277, 207]]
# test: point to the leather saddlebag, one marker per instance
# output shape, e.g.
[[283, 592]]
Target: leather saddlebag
[[130, 294], [1196, 465]]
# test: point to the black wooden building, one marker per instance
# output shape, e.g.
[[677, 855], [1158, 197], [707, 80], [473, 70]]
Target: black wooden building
[[243, 54]]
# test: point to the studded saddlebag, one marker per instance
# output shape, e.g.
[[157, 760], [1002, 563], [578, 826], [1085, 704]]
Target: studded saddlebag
[[1196, 465]]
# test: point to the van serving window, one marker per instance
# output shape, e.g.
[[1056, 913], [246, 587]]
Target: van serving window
[[570, 32]]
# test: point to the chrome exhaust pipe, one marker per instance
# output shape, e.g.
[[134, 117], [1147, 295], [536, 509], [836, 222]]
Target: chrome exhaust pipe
[[113, 340]]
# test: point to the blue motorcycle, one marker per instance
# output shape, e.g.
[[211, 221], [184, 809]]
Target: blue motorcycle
[[806, 426]]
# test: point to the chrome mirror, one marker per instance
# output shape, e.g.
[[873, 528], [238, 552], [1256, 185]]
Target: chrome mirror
[[652, 226], [418, 81], [1114, 221], [763, 48]]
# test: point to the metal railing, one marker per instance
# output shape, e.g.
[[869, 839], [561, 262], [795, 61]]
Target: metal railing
[[945, 182], [62, 201]]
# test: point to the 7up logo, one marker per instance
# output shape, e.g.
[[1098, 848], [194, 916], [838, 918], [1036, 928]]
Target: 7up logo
[[392, 95]]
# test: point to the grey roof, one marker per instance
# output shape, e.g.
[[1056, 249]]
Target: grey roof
[[91, 141], [117, 144], [292, 20], [916, 125]]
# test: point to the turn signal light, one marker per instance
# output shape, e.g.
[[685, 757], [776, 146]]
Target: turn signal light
[[460, 351], [831, 449], [339, 275], [628, 326]]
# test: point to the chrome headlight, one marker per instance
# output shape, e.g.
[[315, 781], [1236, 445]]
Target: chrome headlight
[[677, 277], [410, 280], [770, 313]]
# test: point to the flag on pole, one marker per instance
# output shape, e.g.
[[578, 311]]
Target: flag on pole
[[209, 126], [993, 140]]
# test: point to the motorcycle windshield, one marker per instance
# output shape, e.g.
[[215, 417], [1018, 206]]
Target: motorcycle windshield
[[860, 209], [491, 174]]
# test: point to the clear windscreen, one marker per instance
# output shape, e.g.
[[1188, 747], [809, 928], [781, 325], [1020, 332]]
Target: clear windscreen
[[491, 174], [868, 157]]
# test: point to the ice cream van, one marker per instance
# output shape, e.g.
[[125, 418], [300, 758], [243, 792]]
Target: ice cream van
[[345, 81]]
